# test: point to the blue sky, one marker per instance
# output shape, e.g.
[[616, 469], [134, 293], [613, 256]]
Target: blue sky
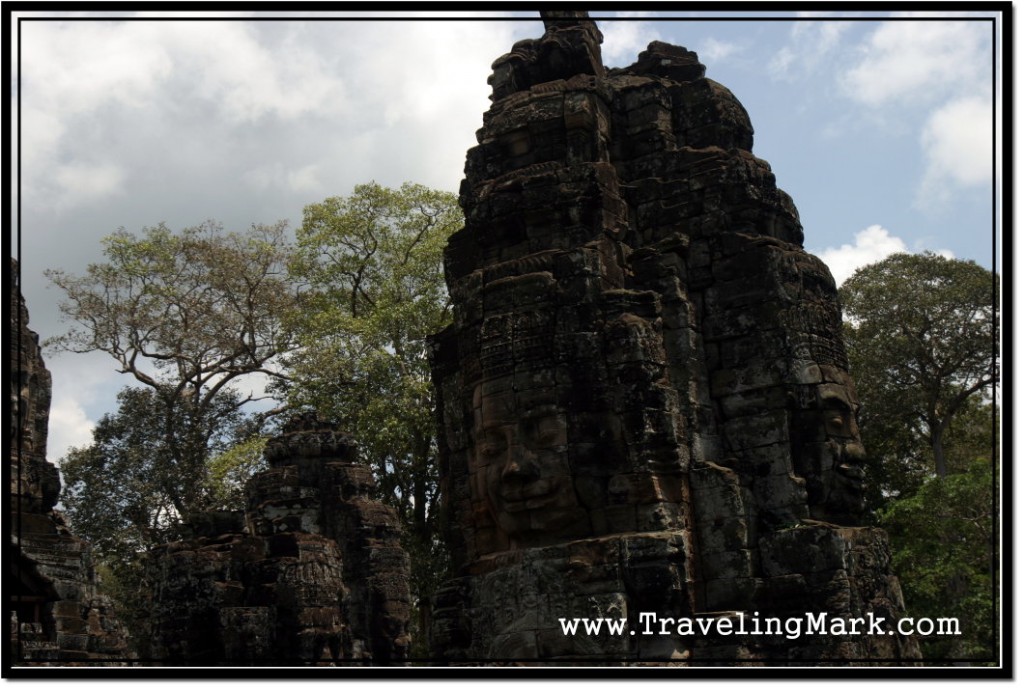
[[879, 126]]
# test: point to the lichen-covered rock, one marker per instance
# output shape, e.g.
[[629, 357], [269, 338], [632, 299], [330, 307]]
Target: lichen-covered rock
[[644, 402], [58, 614], [313, 573]]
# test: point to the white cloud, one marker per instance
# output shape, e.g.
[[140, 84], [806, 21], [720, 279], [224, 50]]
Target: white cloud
[[83, 183], [910, 62], [250, 77], [69, 427], [75, 67], [958, 148], [712, 50], [810, 43], [782, 62], [41, 133], [871, 245], [933, 77], [624, 40], [80, 381], [304, 180], [822, 37], [88, 87], [204, 102]]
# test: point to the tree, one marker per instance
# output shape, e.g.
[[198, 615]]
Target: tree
[[899, 461], [943, 551], [371, 265], [188, 315], [126, 491], [922, 334]]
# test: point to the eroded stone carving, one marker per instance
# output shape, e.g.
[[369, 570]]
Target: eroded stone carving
[[313, 573], [58, 616], [644, 402]]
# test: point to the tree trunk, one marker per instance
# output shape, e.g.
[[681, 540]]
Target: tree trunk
[[421, 451], [938, 452]]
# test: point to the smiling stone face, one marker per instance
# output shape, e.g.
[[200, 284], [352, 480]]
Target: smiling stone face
[[520, 468], [830, 455]]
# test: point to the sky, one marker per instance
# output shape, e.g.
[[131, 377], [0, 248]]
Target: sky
[[880, 126]]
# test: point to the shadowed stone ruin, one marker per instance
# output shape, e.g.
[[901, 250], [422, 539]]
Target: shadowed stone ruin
[[57, 614], [644, 403], [313, 573]]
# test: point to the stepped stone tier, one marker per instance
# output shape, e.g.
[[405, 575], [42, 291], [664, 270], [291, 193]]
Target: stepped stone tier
[[57, 614], [312, 573], [644, 402]]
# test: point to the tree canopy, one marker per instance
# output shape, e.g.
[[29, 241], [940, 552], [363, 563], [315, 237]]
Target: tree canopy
[[184, 313], [188, 315], [128, 491], [922, 335]]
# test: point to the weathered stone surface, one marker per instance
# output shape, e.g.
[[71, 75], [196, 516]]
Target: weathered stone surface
[[313, 573], [58, 614], [644, 402]]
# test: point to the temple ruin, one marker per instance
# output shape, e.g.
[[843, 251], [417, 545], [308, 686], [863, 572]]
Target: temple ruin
[[313, 573], [57, 614], [644, 407], [644, 403]]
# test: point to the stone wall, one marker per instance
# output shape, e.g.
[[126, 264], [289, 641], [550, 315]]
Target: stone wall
[[57, 614], [312, 573], [644, 396]]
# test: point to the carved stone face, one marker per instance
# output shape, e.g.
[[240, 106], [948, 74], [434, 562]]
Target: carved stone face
[[520, 468], [831, 457]]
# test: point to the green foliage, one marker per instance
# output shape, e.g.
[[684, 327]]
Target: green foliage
[[942, 540], [921, 332], [340, 323], [188, 315], [128, 587], [371, 268], [371, 263], [229, 470], [148, 468], [130, 488], [899, 462]]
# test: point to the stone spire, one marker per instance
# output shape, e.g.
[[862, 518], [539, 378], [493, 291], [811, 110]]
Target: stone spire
[[571, 45], [313, 573], [644, 403], [58, 615]]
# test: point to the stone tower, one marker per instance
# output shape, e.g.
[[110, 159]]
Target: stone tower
[[644, 403], [314, 573], [58, 616]]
